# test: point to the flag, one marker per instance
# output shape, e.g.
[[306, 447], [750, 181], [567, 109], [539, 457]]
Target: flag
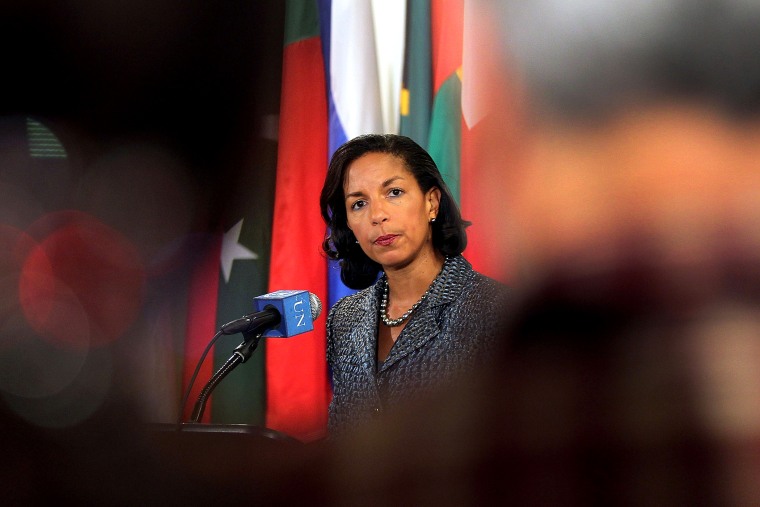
[[417, 89], [465, 66], [365, 64], [243, 275], [444, 142], [201, 324], [483, 127], [232, 270], [297, 384]]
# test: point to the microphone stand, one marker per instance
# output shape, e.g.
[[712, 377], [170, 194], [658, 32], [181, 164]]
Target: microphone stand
[[240, 355]]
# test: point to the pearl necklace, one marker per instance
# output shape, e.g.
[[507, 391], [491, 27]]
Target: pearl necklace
[[384, 304]]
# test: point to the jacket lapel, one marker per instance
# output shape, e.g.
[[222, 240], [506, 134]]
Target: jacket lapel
[[363, 335], [423, 325], [421, 328]]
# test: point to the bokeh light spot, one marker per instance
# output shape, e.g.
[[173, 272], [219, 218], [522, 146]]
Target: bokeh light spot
[[83, 284]]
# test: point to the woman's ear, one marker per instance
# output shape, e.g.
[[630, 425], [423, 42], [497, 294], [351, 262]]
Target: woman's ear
[[433, 202]]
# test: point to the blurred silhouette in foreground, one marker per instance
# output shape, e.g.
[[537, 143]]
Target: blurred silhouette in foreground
[[629, 162]]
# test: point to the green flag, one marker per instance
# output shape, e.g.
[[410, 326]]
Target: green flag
[[417, 87], [445, 143]]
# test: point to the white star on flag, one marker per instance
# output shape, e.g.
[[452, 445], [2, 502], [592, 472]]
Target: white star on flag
[[232, 250]]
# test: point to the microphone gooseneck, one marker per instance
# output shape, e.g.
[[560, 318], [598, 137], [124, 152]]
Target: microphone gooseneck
[[280, 314]]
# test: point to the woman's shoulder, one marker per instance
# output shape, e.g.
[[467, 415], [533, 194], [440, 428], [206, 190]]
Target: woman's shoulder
[[475, 280], [487, 290], [484, 282], [349, 304], [349, 310]]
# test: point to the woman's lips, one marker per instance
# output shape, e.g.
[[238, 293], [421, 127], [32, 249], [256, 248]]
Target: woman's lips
[[385, 240]]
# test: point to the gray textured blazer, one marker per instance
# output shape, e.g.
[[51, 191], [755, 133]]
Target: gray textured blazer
[[453, 331]]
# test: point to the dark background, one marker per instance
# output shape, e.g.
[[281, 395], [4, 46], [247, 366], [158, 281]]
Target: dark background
[[193, 75], [185, 85], [168, 113]]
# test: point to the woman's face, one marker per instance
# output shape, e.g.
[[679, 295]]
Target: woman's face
[[387, 211]]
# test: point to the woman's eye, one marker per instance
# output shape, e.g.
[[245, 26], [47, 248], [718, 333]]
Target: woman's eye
[[358, 205], [395, 192]]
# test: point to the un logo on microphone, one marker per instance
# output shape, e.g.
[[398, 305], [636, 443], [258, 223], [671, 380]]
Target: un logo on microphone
[[294, 308], [299, 313]]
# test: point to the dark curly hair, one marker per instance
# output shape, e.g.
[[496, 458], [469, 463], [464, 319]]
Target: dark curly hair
[[357, 270]]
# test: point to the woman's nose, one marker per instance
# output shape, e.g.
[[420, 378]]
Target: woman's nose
[[378, 214]]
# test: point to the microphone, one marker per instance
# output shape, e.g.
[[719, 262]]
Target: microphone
[[283, 312], [279, 314]]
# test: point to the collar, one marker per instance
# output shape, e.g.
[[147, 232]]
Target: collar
[[422, 325]]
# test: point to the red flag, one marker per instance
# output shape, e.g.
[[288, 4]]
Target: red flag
[[483, 128], [201, 325], [446, 23], [297, 382]]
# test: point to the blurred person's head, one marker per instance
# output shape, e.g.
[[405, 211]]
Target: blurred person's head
[[633, 199], [639, 127]]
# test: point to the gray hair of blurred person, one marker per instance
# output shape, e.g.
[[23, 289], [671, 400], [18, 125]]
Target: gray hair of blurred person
[[591, 58]]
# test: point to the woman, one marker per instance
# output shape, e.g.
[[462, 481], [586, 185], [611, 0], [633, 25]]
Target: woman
[[429, 317]]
